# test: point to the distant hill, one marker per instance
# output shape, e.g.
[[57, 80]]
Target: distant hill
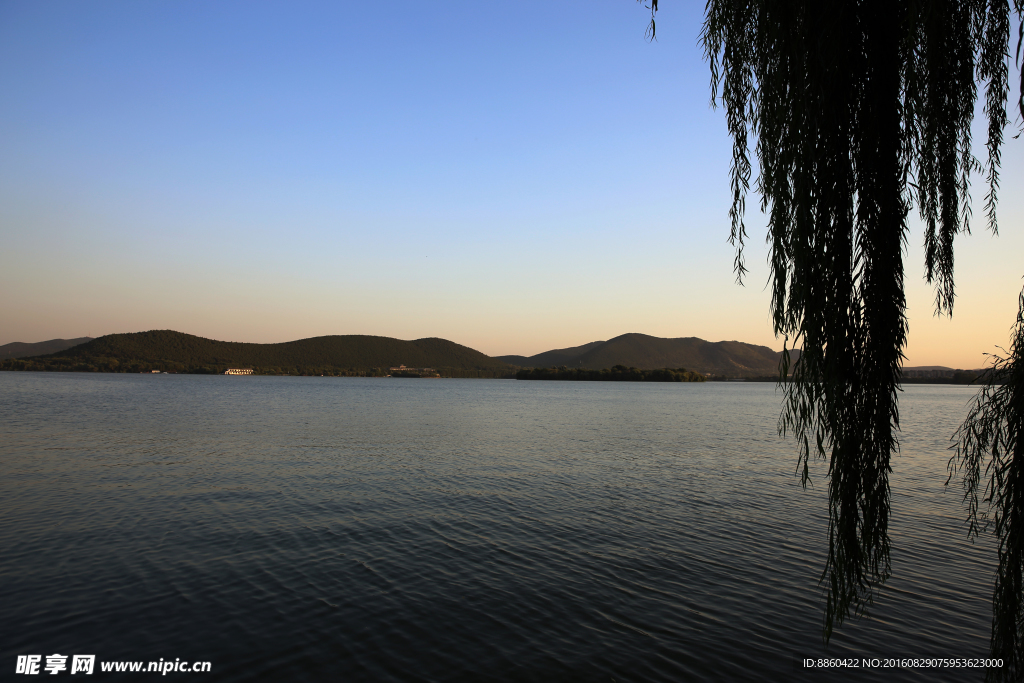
[[938, 374], [349, 354], [23, 350], [724, 358], [550, 359]]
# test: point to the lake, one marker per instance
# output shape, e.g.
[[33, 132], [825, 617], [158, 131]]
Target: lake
[[306, 528]]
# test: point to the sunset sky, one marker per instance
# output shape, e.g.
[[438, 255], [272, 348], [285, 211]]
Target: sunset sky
[[514, 176]]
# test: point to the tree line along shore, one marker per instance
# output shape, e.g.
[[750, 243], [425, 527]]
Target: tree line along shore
[[618, 373]]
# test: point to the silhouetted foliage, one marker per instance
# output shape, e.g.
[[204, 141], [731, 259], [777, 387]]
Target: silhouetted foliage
[[990, 445], [858, 108]]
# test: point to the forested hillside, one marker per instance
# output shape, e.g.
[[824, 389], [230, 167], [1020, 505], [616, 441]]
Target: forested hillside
[[725, 358], [171, 351]]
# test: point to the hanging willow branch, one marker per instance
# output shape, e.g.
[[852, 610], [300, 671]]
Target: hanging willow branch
[[994, 431], [858, 109]]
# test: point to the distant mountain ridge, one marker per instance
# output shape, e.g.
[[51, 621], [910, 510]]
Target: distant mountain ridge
[[337, 354], [365, 354], [551, 358], [643, 351], [23, 350]]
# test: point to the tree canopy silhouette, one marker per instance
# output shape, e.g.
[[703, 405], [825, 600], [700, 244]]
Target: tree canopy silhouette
[[994, 430], [857, 110]]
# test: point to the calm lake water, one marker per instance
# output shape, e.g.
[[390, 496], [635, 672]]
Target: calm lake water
[[289, 528]]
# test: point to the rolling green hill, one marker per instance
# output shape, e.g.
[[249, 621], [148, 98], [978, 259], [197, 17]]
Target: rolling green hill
[[725, 358], [349, 354]]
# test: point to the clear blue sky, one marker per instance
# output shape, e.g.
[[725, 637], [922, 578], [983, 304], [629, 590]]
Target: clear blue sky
[[513, 176]]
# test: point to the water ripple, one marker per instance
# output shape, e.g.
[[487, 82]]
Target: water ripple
[[317, 528]]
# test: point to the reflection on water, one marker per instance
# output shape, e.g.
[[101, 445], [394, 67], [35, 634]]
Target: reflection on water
[[391, 529]]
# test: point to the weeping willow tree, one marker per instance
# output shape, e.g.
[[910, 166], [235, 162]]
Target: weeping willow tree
[[994, 431], [858, 110]]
